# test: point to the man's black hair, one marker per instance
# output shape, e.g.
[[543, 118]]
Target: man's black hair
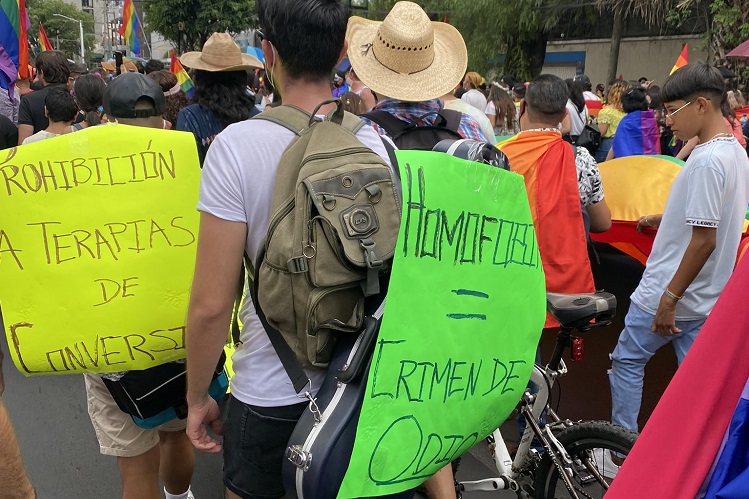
[[308, 34], [547, 95], [54, 65], [695, 80], [634, 100], [642, 78], [154, 65], [654, 92], [60, 105], [519, 91]]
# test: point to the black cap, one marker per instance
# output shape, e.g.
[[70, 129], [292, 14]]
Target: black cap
[[584, 81], [127, 89]]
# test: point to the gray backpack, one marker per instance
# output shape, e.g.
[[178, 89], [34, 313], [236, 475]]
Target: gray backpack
[[335, 216]]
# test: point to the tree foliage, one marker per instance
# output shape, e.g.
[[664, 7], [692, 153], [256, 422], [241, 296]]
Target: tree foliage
[[501, 35], [189, 23], [67, 31]]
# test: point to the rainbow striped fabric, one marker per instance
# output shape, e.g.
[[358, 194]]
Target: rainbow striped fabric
[[682, 60], [637, 134], [14, 47], [130, 26], [44, 44], [182, 77]]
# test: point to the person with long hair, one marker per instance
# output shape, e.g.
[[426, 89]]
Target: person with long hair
[[176, 100], [501, 112], [221, 96], [610, 116], [637, 133], [89, 94], [576, 107]]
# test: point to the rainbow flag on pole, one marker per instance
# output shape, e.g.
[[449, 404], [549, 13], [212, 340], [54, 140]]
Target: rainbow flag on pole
[[130, 26], [683, 59], [44, 44], [182, 77], [14, 49]]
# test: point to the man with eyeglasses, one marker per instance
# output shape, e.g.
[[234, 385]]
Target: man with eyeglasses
[[698, 235]]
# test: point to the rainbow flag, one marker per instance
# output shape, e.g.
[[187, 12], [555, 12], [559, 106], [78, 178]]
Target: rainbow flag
[[683, 59], [700, 413], [637, 134], [14, 51], [130, 26], [44, 44], [547, 164], [182, 77]]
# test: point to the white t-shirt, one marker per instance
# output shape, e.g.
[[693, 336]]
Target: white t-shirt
[[463, 107], [237, 185], [588, 95], [578, 120], [40, 135], [712, 190], [475, 98]]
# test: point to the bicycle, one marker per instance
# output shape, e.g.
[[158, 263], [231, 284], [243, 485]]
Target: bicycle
[[576, 462]]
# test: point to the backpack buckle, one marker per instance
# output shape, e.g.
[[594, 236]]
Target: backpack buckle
[[297, 265], [374, 264]]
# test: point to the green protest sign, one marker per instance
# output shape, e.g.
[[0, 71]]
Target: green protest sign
[[464, 312]]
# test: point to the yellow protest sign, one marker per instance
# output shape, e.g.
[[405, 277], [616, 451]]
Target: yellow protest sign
[[97, 248]]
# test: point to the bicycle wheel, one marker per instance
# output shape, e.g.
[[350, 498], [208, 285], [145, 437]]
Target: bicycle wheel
[[588, 445]]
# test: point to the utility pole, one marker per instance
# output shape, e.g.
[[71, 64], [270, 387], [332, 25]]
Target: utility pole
[[80, 25]]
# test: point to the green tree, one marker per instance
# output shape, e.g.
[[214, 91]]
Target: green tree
[[68, 32], [189, 23]]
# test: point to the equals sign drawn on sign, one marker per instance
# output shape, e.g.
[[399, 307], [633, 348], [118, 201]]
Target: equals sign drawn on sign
[[475, 294]]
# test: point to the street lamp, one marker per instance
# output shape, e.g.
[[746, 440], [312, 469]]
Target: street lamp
[[80, 24]]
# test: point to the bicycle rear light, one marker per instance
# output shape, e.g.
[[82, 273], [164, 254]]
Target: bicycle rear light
[[577, 349]]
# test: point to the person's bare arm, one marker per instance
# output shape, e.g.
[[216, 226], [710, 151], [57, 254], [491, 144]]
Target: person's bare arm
[[687, 148], [214, 289], [701, 246], [610, 155], [603, 127], [14, 483], [24, 132], [600, 216]]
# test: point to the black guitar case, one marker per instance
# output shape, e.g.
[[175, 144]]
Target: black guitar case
[[320, 446]]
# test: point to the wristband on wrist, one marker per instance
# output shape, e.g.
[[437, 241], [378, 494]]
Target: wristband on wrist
[[673, 296]]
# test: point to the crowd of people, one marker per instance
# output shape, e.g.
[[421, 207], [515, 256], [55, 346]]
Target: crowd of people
[[414, 71]]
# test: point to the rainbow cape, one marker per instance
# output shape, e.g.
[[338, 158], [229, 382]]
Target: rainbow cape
[[14, 45], [44, 44], [547, 164], [637, 134], [183, 78], [701, 409], [682, 60], [130, 26]]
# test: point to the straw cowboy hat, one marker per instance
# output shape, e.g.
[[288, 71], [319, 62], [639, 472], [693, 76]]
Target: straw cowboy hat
[[407, 56], [220, 53]]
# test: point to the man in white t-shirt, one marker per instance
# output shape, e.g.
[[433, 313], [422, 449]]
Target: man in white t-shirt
[[698, 236], [237, 183]]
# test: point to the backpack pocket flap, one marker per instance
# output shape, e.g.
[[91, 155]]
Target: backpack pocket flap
[[358, 205]]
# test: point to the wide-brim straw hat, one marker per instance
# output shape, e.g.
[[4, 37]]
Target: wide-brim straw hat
[[220, 53], [407, 56]]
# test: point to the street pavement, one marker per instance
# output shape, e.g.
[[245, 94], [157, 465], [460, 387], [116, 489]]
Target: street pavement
[[61, 453]]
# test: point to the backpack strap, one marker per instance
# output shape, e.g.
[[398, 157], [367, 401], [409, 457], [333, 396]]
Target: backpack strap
[[452, 119], [393, 126], [297, 120]]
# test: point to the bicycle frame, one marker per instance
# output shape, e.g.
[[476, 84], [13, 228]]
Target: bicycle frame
[[536, 403]]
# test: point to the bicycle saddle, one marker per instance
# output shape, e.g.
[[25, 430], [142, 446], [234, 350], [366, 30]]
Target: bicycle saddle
[[577, 311]]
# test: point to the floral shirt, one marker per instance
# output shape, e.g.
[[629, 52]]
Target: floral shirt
[[588, 177]]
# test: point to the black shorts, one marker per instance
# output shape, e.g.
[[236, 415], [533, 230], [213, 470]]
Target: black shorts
[[255, 441]]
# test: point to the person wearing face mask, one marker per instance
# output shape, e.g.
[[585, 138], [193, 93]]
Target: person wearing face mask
[[221, 96]]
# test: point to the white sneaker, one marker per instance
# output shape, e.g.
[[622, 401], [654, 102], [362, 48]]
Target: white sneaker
[[602, 461]]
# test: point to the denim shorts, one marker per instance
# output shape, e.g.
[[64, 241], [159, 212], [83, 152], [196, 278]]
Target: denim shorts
[[255, 441]]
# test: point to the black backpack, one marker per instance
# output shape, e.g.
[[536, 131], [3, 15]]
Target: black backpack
[[417, 134]]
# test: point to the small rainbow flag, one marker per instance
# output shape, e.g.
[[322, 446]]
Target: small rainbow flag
[[44, 44], [14, 49], [683, 59], [130, 26], [182, 77]]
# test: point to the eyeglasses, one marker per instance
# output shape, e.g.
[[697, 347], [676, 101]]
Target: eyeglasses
[[670, 115]]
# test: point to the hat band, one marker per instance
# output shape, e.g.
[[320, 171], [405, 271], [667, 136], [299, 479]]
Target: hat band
[[370, 46], [176, 88]]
